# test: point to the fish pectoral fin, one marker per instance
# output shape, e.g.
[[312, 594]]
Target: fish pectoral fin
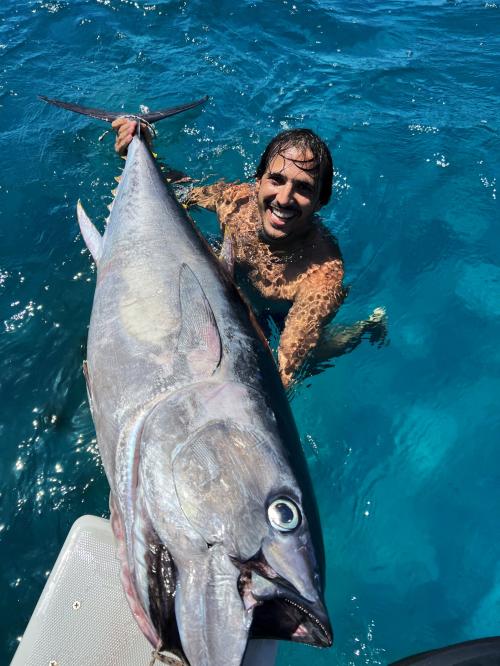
[[92, 238], [207, 600], [199, 337]]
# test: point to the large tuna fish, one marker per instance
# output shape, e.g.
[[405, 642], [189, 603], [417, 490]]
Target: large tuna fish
[[210, 497]]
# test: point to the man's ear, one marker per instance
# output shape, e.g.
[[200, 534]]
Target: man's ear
[[257, 185]]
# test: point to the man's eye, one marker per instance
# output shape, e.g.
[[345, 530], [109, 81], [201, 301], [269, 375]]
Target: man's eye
[[306, 188]]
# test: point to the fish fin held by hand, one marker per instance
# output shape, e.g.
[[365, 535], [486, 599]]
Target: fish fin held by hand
[[199, 337], [92, 238], [109, 116]]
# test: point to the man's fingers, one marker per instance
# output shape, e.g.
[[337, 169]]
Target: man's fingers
[[125, 128], [122, 143], [120, 123]]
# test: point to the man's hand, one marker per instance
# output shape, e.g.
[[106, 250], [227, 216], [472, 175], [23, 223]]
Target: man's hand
[[125, 129], [376, 327]]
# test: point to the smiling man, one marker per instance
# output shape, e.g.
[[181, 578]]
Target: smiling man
[[282, 254]]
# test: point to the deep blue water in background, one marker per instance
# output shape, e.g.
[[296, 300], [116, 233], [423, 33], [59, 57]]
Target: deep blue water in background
[[403, 441]]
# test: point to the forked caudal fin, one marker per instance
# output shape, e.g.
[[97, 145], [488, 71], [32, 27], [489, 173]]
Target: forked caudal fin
[[92, 237], [109, 116]]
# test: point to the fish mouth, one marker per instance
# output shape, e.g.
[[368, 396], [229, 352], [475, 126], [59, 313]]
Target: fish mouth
[[279, 610], [286, 619]]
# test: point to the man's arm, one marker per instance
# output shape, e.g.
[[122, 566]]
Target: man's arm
[[317, 301], [206, 196]]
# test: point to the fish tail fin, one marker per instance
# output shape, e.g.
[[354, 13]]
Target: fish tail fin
[[109, 116]]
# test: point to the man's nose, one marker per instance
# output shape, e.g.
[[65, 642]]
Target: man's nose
[[285, 194]]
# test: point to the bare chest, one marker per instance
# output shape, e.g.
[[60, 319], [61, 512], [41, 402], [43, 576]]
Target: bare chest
[[274, 274]]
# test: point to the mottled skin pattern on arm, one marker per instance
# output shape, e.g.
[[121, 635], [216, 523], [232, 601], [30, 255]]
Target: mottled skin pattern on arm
[[306, 272]]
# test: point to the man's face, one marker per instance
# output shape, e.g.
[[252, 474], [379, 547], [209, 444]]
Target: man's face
[[288, 195]]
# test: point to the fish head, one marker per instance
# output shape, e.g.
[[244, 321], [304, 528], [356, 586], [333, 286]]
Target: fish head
[[219, 492], [238, 493], [282, 582]]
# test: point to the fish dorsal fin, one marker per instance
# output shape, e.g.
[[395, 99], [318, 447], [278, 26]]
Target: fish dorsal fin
[[92, 238], [199, 337]]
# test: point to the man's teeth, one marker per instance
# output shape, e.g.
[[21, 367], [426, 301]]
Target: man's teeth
[[283, 214]]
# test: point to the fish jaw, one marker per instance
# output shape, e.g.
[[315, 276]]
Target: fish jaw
[[280, 610], [212, 620], [282, 585], [246, 599]]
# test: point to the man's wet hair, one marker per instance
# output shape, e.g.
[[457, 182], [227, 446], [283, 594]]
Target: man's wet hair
[[303, 139]]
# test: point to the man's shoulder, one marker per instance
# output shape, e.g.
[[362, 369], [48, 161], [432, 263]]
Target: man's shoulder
[[324, 269], [323, 247]]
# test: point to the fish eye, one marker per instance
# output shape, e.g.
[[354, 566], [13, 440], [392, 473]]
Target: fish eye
[[283, 514]]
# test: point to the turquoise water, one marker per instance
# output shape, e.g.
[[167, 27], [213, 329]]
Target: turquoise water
[[402, 441]]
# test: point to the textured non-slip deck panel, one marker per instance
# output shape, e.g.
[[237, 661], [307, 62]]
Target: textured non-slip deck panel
[[82, 617]]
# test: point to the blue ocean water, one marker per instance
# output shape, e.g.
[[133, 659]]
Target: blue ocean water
[[402, 441]]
